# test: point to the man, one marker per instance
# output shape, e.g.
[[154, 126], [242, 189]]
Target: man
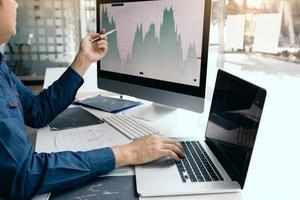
[[25, 173]]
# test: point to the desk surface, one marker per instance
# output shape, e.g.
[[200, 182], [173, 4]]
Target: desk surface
[[273, 171]]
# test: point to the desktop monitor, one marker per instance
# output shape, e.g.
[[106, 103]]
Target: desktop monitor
[[159, 51]]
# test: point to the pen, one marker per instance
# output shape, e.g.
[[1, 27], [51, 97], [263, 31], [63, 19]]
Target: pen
[[99, 38]]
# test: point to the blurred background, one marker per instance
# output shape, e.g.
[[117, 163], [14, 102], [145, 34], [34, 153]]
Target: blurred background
[[245, 32], [260, 36]]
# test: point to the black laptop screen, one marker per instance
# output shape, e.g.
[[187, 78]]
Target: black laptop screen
[[233, 123]]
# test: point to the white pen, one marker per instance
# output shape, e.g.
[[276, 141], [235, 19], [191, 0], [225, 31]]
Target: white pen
[[106, 34]]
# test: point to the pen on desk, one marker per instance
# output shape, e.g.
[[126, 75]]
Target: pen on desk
[[99, 38]]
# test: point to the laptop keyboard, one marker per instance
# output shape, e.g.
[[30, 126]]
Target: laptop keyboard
[[196, 166]]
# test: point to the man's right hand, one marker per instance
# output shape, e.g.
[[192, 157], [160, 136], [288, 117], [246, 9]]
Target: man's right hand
[[147, 149]]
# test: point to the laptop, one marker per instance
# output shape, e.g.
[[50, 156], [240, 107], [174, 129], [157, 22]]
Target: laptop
[[219, 162]]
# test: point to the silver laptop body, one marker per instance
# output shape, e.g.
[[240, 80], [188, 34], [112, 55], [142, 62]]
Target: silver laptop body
[[220, 162]]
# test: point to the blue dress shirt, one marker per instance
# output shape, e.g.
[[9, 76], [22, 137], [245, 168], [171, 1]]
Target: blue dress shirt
[[23, 172]]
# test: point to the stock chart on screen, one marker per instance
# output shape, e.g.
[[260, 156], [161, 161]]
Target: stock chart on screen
[[155, 39]]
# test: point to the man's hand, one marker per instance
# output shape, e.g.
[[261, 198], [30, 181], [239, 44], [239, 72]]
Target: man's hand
[[147, 149], [90, 52], [94, 51]]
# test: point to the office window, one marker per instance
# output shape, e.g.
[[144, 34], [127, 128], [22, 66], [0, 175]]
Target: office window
[[268, 27], [44, 29]]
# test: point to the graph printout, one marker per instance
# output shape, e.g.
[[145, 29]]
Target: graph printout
[[155, 39]]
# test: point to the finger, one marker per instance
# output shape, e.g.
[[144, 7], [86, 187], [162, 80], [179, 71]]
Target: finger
[[180, 147], [102, 42], [103, 47], [174, 148], [102, 31], [103, 37], [169, 141], [93, 35], [100, 37], [171, 154], [174, 142]]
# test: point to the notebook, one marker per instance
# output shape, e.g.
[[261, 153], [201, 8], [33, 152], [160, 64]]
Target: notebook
[[108, 104], [73, 118]]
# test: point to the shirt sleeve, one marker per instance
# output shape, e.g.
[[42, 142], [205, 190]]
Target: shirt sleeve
[[41, 109], [25, 173]]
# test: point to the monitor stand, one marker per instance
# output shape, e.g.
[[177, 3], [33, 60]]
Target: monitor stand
[[151, 112]]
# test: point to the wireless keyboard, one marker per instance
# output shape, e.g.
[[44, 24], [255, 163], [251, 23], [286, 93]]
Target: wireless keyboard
[[129, 126]]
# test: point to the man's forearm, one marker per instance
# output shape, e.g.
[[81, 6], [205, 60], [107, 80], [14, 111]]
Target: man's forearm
[[80, 64], [123, 155]]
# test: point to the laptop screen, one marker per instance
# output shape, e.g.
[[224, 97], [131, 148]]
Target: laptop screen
[[233, 123]]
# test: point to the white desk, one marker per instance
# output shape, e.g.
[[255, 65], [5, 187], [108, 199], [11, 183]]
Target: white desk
[[179, 123], [274, 168]]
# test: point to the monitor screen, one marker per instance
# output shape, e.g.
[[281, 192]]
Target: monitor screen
[[159, 44], [233, 122]]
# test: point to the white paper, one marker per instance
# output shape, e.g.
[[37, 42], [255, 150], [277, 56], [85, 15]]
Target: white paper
[[88, 138], [267, 32], [235, 29]]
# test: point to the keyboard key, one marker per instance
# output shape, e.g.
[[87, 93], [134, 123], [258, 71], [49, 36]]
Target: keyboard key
[[190, 172], [181, 172], [210, 171], [209, 160], [196, 164], [192, 162], [199, 162], [129, 126]]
